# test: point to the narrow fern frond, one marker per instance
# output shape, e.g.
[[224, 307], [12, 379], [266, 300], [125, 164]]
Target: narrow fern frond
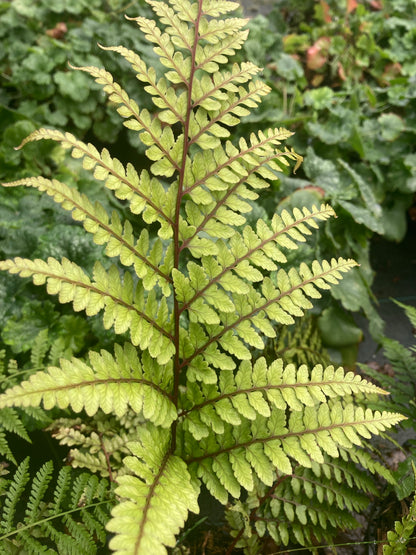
[[5, 450], [53, 518], [40, 484], [256, 389], [144, 193], [120, 240], [111, 384], [401, 384], [226, 462], [12, 497], [39, 350], [158, 480], [124, 305], [399, 538], [410, 312], [11, 422]]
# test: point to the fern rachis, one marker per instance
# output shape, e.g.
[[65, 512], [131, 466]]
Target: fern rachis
[[197, 298]]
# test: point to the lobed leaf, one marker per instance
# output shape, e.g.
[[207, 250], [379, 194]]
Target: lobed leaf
[[145, 194], [306, 437], [112, 384], [157, 480], [124, 305]]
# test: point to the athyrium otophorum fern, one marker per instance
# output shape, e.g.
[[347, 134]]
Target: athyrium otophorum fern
[[195, 298]]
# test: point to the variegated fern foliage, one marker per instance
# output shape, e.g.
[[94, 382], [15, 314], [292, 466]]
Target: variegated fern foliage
[[195, 295]]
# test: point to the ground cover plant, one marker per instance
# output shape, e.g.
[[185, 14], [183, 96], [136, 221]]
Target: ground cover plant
[[399, 377], [185, 399], [342, 75]]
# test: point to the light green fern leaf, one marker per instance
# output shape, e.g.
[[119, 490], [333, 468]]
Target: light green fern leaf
[[253, 314], [119, 239], [109, 383], [276, 443], [172, 105], [145, 194], [124, 305], [256, 389], [158, 480], [197, 300]]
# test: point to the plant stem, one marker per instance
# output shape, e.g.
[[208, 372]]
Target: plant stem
[[177, 250]]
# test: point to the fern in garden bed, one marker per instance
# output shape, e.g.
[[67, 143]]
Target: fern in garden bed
[[194, 299], [70, 516]]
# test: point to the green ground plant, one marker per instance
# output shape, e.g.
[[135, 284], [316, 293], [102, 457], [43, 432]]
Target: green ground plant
[[400, 381], [196, 293], [399, 538], [343, 77]]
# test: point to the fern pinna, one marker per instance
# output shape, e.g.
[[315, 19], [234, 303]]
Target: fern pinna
[[194, 300]]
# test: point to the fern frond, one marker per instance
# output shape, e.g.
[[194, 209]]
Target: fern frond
[[178, 64], [145, 194], [172, 105], [11, 422], [196, 301], [98, 445], [161, 141], [120, 240], [213, 8], [299, 344], [39, 350], [227, 461], [233, 168], [401, 383], [5, 450], [253, 312], [399, 538], [256, 389], [72, 523], [123, 304], [158, 480], [260, 248], [217, 207], [13, 496], [40, 484], [205, 128], [111, 384]]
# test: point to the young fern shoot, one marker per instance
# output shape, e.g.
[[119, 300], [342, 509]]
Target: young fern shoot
[[194, 300]]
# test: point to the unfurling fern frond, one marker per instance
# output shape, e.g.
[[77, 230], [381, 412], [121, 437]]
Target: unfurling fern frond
[[39, 515], [198, 290]]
